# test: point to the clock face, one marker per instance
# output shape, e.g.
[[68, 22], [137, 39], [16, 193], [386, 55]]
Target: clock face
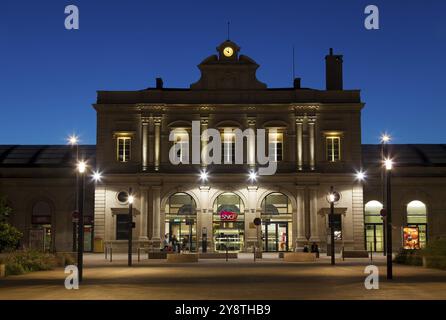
[[228, 52]]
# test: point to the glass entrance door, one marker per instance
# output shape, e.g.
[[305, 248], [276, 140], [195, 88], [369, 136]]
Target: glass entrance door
[[374, 237], [185, 232], [275, 236]]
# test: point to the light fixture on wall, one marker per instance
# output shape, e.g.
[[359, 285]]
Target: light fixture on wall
[[252, 175], [203, 175], [360, 175]]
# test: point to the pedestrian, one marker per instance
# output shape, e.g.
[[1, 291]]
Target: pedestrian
[[315, 249], [175, 245], [305, 248], [166, 242]]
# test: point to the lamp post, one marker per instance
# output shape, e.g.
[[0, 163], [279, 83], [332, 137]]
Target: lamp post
[[385, 138], [73, 140], [130, 227], [333, 197], [81, 167], [388, 164]]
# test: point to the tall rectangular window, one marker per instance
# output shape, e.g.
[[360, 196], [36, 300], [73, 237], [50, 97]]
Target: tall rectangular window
[[333, 145], [123, 148], [122, 228], [228, 147], [181, 139], [275, 141]]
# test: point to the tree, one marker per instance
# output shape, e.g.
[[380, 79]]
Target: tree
[[9, 235]]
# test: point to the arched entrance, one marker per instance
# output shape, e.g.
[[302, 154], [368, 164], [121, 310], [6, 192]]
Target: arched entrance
[[228, 223], [276, 222], [374, 232], [181, 220]]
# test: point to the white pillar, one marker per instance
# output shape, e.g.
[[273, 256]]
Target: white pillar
[[144, 214], [156, 211], [157, 121], [144, 141], [251, 234], [300, 200], [314, 225], [205, 217], [299, 143], [311, 124]]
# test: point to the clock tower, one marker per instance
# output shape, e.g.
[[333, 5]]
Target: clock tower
[[228, 51]]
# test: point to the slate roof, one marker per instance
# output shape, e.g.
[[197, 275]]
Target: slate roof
[[43, 155], [407, 155]]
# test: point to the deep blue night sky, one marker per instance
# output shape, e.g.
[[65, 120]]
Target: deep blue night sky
[[49, 76]]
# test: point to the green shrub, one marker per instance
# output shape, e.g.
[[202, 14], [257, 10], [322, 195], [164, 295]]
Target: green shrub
[[9, 236], [20, 262], [435, 254], [409, 257], [14, 268]]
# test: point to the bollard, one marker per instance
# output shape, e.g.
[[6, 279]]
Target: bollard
[[139, 254], [255, 253], [226, 253], [111, 254], [106, 249]]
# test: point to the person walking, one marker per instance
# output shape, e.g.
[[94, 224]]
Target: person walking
[[315, 249]]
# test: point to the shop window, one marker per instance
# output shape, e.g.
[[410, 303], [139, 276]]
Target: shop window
[[276, 204], [415, 235], [333, 147], [276, 222], [228, 223], [123, 148]]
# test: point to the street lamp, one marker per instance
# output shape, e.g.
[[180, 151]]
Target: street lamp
[[203, 176], [360, 176], [385, 139], [130, 200], [252, 176], [81, 168], [388, 165], [332, 198], [73, 140]]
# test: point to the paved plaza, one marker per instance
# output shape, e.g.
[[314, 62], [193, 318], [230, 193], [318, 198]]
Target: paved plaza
[[269, 278]]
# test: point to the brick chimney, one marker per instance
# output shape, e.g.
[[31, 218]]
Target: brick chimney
[[159, 83], [333, 71]]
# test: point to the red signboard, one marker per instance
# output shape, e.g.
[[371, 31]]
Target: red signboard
[[228, 215]]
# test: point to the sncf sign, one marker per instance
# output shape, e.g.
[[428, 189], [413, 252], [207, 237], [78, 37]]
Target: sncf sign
[[228, 215]]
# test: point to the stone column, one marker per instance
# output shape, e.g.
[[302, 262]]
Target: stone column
[[205, 218], [314, 225], [157, 122], [299, 143], [144, 214], [144, 142], [251, 234], [300, 201], [204, 125], [156, 211], [251, 145], [311, 129]]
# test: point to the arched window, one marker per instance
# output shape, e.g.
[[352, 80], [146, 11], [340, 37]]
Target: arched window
[[181, 204], [417, 218], [373, 223], [41, 213], [372, 212], [181, 222], [276, 204], [228, 222]]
